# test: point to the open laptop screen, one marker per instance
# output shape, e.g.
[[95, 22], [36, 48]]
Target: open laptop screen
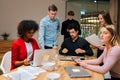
[[42, 55]]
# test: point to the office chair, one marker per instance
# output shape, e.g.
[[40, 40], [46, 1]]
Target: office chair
[[6, 62]]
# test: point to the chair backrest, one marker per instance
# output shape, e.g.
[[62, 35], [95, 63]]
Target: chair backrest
[[6, 62]]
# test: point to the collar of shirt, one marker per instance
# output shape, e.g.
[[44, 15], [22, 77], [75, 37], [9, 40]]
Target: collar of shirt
[[75, 40], [51, 19]]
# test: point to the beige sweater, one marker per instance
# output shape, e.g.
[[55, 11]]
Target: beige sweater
[[111, 62]]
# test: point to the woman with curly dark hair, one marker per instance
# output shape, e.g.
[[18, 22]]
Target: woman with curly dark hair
[[23, 47]]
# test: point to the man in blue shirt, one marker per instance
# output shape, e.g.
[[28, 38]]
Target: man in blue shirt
[[49, 29]]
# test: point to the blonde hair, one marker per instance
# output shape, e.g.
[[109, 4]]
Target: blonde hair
[[115, 40]]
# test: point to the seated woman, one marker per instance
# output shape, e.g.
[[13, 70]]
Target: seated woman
[[23, 47], [75, 45], [110, 56]]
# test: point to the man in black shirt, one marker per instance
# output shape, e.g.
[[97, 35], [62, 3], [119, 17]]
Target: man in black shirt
[[65, 25], [74, 45]]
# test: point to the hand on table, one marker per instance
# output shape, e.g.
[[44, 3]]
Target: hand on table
[[79, 51], [55, 47], [81, 63], [26, 62], [64, 50]]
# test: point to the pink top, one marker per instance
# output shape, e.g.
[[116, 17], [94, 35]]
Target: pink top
[[111, 62]]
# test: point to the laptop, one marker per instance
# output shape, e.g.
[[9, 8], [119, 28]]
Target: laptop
[[66, 58], [77, 71], [71, 58], [37, 59], [41, 55]]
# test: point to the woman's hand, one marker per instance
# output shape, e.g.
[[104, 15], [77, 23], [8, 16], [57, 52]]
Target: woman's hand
[[26, 62], [81, 63], [100, 47], [78, 61]]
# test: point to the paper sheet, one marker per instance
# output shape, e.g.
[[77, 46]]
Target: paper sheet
[[19, 75], [94, 40], [33, 70], [25, 73]]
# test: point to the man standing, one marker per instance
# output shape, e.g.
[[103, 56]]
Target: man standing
[[49, 29], [75, 45], [65, 25]]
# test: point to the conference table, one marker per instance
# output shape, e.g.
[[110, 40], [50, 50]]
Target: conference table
[[63, 74]]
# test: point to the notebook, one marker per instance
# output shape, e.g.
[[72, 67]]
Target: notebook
[[77, 71]]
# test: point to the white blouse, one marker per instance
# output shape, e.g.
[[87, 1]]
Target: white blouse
[[29, 49]]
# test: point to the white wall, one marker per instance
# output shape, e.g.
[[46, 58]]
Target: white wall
[[13, 11]]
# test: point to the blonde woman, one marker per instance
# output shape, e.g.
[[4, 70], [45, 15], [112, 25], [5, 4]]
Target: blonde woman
[[110, 56], [104, 19]]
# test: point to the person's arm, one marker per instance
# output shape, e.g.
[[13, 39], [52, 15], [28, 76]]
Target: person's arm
[[88, 50], [15, 55], [79, 28], [84, 48], [63, 30], [92, 61], [110, 61], [101, 47], [58, 28], [61, 49], [24, 62], [95, 61], [57, 34], [41, 34]]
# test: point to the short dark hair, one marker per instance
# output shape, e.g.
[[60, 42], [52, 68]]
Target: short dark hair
[[26, 25], [73, 26], [52, 7], [106, 17], [71, 13]]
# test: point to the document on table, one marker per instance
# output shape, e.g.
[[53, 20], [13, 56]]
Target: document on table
[[25, 73], [94, 40], [20, 75], [33, 70]]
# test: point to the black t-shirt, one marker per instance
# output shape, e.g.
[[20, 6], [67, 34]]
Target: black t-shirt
[[72, 46]]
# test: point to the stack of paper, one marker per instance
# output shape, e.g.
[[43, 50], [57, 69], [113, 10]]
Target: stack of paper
[[25, 73], [94, 40], [20, 75], [32, 70]]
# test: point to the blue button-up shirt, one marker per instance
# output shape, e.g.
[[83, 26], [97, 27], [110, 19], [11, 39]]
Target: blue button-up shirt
[[48, 33]]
